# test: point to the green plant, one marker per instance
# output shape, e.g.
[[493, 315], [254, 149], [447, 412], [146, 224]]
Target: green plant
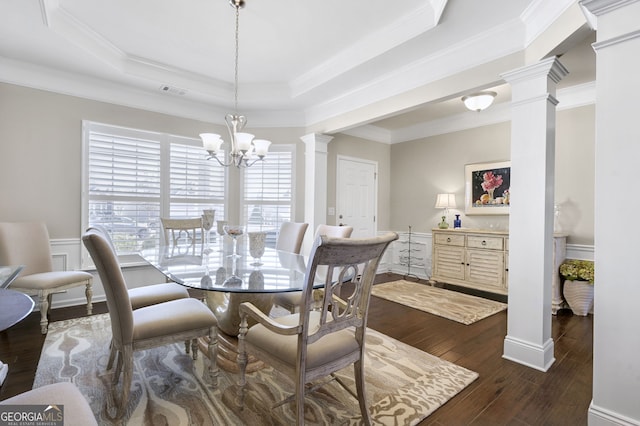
[[577, 270]]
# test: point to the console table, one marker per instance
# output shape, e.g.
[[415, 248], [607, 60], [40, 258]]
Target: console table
[[479, 259]]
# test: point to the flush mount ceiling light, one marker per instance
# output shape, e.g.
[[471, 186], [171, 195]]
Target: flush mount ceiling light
[[479, 101], [245, 150]]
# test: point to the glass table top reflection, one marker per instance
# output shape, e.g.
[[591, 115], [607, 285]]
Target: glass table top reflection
[[216, 267]]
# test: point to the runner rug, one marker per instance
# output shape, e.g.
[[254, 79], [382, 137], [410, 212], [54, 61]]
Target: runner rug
[[404, 384], [452, 305]]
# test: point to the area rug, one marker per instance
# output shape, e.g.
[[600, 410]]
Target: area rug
[[452, 305], [404, 385]]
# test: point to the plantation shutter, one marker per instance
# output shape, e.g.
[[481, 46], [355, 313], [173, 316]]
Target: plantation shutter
[[268, 191]]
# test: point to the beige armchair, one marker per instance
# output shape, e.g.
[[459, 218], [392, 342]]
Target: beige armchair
[[27, 243], [150, 326], [316, 343], [291, 300]]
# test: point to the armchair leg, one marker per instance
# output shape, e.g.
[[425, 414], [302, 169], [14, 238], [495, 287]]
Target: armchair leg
[[358, 370], [299, 397], [242, 360]]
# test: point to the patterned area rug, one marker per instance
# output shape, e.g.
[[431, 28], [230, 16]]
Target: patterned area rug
[[404, 385], [452, 305]]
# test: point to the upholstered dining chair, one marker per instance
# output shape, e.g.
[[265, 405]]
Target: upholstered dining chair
[[176, 229], [27, 243], [149, 294], [150, 326], [291, 300], [316, 343], [291, 236]]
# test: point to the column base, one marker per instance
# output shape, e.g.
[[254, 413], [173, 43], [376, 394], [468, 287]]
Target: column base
[[529, 354]]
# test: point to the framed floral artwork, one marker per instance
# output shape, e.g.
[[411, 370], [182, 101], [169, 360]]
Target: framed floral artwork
[[487, 187]]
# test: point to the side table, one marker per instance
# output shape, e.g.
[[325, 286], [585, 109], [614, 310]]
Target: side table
[[14, 306]]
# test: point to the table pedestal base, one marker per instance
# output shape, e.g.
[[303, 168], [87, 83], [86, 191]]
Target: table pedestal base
[[228, 354]]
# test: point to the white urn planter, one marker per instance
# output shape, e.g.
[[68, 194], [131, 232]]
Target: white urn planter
[[579, 296]]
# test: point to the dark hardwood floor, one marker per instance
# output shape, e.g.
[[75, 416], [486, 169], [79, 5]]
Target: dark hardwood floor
[[506, 393]]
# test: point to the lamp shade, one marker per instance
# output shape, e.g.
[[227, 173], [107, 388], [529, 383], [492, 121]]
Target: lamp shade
[[211, 142], [479, 101], [446, 201], [261, 146]]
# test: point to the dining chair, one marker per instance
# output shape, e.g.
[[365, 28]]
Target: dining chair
[[316, 343], [77, 411], [150, 326], [176, 229], [27, 243], [291, 236], [291, 300], [149, 294]]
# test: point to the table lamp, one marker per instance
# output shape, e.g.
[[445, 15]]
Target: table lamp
[[446, 202]]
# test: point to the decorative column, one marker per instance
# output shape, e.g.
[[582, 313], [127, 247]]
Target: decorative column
[[533, 124], [315, 182], [616, 335]]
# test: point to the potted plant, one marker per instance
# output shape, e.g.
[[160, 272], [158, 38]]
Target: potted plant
[[578, 285]]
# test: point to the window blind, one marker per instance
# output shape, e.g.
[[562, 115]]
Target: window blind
[[268, 190]]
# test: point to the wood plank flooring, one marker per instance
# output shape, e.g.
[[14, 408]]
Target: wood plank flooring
[[506, 393]]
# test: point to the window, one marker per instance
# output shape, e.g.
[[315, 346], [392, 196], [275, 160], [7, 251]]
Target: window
[[268, 192], [134, 177], [131, 178]]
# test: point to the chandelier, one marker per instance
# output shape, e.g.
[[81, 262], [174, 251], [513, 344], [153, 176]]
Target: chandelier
[[245, 150]]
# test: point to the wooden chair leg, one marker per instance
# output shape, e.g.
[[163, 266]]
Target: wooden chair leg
[[194, 349], [116, 373], [127, 354], [212, 349], [299, 401], [112, 356], [242, 361], [358, 370], [44, 310], [187, 346], [88, 292]]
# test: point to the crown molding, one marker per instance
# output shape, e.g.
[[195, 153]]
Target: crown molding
[[377, 43]]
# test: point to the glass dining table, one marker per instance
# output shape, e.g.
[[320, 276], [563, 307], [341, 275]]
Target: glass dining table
[[229, 278]]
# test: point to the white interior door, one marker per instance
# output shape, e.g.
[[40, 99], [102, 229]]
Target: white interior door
[[356, 195]]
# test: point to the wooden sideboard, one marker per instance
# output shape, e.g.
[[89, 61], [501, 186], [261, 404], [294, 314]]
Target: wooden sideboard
[[479, 259]]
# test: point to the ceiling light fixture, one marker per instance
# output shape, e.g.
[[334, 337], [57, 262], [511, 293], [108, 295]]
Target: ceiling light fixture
[[479, 101], [245, 150]]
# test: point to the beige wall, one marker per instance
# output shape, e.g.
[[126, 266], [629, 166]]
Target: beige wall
[[41, 146], [423, 168], [40, 173], [351, 146]]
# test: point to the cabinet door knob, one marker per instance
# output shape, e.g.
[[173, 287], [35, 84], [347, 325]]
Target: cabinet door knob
[[448, 240], [484, 243]]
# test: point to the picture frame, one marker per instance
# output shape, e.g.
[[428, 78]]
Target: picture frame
[[487, 187]]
